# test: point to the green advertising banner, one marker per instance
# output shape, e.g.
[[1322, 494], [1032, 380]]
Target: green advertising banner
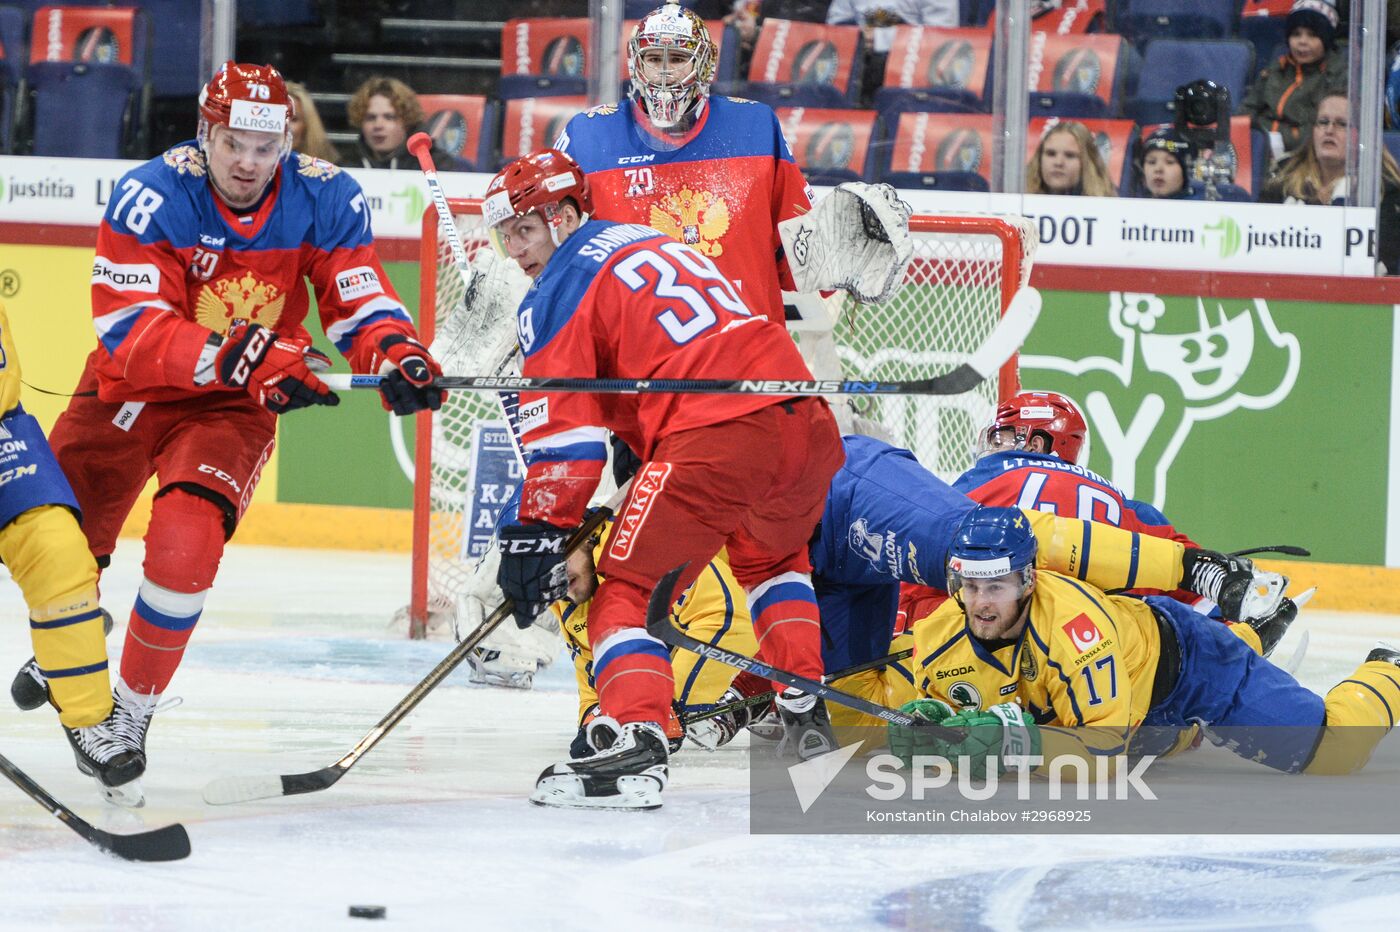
[[1247, 422], [346, 455]]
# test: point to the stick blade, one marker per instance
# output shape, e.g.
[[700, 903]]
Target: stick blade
[[227, 790], [1010, 333], [171, 843]]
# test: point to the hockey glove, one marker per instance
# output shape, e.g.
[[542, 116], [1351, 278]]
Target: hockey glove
[[279, 372], [532, 572], [991, 737], [908, 740], [1242, 592], [409, 370]]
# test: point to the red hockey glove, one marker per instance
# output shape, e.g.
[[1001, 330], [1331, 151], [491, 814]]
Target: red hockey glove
[[278, 372], [408, 384]]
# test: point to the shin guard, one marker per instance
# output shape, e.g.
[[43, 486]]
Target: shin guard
[[631, 669], [785, 621]]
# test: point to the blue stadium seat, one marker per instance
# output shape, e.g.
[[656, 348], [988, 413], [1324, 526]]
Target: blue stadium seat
[[1146, 20], [175, 65], [939, 181], [264, 13], [1266, 34], [1169, 63], [923, 100], [1392, 144], [83, 109], [1066, 104], [515, 86], [795, 95]]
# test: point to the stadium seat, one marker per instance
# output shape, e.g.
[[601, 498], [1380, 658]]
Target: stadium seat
[[919, 100], [806, 54], [915, 145], [1170, 63], [1071, 106], [948, 63], [11, 73], [938, 181], [530, 123], [544, 57], [265, 13], [1266, 33], [82, 109], [1081, 65], [463, 125], [1145, 20], [1392, 144], [830, 146], [176, 70]]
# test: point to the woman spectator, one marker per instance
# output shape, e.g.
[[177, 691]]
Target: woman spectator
[[308, 132], [1316, 174], [1068, 161], [1163, 167], [387, 112], [1283, 98]]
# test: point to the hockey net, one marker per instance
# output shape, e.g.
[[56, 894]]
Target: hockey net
[[965, 270]]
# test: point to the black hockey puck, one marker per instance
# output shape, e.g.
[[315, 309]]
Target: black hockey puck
[[368, 912]]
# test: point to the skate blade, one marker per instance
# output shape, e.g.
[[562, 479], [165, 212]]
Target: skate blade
[[634, 794], [128, 795]]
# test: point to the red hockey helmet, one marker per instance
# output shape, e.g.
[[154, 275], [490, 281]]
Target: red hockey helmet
[[1048, 414], [252, 97], [540, 182]]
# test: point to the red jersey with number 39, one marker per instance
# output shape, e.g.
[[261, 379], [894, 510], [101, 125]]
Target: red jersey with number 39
[[626, 301]]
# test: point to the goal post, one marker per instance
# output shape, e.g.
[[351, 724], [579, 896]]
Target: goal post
[[965, 271]]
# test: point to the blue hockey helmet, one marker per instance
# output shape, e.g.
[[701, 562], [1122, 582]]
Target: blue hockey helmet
[[989, 543]]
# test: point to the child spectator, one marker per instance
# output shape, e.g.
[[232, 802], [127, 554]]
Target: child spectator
[[1283, 99], [1068, 161], [1163, 167], [308, 132]]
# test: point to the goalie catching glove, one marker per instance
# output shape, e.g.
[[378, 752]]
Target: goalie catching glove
[[532, 573], [856, 239], [279, 372], [408, 370]]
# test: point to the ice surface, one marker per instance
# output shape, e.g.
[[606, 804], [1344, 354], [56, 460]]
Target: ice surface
[[294, 661]]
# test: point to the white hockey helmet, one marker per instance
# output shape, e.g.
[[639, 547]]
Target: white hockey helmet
[[671, 95]]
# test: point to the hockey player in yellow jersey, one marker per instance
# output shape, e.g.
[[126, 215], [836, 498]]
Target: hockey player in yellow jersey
[[1035, 656], [47, 554]]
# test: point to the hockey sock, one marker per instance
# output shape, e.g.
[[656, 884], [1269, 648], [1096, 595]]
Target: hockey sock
[[785, 621], [184, 544], [631, 669]]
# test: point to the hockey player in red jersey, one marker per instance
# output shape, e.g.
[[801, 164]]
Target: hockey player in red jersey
[[1033, 455], [749, 472], [199, 304]]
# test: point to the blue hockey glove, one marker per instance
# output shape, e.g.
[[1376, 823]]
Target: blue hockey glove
[[532, 573]]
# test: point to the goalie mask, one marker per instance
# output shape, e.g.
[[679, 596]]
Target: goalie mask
[[538, 182], [671, 61], [1049, 415], [991, 543]]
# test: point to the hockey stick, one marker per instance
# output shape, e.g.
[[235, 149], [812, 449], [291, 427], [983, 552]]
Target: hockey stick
[[421, 144], [659, 626], [984, 363], [171, 843], [227, 790], [765, 697], [1286, 549]]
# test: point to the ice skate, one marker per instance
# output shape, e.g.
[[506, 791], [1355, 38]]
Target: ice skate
[[806, 727], [1385, 653], [629, 775], [105, 757], [130, 721]]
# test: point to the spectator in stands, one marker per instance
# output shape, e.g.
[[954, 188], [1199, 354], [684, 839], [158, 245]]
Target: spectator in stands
[[308, 132], [1163, 167], [1316, 174], [1283, 99], [387, 112], [1068, 161], [877, 19]]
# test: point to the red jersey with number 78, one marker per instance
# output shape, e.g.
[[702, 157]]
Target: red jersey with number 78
[[626, 301]]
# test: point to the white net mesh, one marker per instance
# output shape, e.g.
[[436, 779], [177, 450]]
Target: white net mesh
[[954, 293]]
